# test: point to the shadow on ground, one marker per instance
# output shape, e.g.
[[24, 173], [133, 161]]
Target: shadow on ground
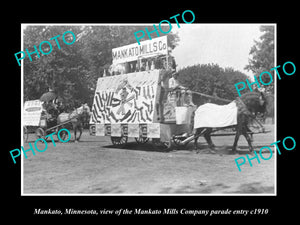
[[219, 188], [203, 149]]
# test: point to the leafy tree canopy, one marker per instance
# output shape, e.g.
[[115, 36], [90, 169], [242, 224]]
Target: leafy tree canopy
[[212, 80], [72, 71], [262, 56]]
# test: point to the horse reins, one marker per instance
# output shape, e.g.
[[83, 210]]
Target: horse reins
[[246, 112]]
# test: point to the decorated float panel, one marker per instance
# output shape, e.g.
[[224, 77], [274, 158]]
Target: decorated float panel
[[139, 104], [127, 105]]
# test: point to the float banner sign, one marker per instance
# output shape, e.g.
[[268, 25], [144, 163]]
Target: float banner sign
[[32, 113], [149, 48]]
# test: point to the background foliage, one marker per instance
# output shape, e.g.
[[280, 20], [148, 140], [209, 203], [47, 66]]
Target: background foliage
[[211, 79], [73, 70], [262, 56]]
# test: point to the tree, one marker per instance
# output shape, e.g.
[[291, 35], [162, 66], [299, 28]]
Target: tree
[[262, 56], [73, 70], [63, 69], [212, 80]]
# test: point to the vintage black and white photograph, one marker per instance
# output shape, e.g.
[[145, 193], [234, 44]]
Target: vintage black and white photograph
[[144, 109]]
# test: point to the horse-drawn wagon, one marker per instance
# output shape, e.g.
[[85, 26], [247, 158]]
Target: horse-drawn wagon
[[137, 103], [140, 103], [38, 120]]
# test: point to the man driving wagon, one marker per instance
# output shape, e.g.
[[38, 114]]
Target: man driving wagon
[[51, 107]]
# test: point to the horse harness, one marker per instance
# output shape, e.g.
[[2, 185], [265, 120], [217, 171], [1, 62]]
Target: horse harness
[[242, 109]]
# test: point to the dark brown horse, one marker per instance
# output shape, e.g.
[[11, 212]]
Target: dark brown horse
[[249, 104]]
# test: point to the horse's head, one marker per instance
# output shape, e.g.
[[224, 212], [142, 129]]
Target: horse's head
[[85, 112], [255, 101], [262, 103]]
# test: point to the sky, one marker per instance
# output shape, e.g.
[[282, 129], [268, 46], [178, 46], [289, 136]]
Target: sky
[[227, 45]]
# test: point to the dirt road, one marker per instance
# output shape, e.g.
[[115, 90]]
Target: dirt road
[[93, 166]]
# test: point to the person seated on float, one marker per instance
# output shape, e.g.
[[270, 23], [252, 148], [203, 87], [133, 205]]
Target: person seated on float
[[51, 113], [175, 86], [174, 83], [142, 66]]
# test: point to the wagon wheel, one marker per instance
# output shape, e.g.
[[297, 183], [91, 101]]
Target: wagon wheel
[[92, 129], [178, 142], [25, 134], [141, 140], [160, 145], [40, 133], [119, 141]]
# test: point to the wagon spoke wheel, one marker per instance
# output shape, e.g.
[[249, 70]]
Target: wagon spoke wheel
[[25, 134], [161, 146], [40, 133], [141, 140], [92, 129], [119, 142], [178, 142]]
